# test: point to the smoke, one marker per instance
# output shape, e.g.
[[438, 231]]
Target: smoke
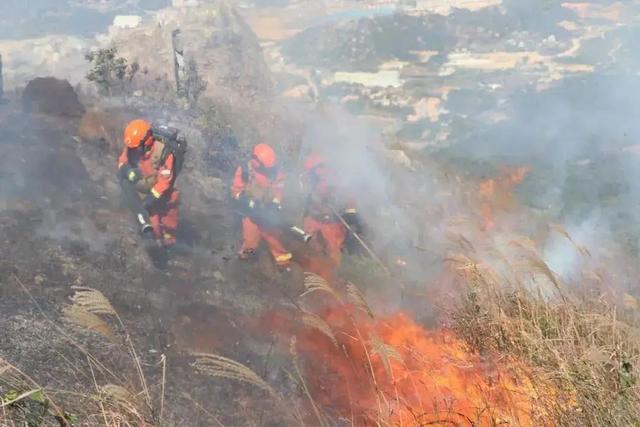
[[354, 152], [46, 188], [403, 208], [578, 136], [565, 257], [577, 139]]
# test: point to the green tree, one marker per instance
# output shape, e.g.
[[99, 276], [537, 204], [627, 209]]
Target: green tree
[[109, 71]]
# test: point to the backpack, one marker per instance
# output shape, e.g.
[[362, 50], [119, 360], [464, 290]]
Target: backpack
[[174, 143]]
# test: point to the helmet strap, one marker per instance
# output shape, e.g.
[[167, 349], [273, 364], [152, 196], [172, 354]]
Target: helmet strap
[[263, 170], [147, 139]]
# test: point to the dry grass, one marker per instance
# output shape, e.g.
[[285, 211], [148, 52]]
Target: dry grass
[[119, 400], [536, 265], [80, 317], [314, 283], [386, 353], [93, 301], [219, 366], [316, 322], [356, 297], [584, 344], [560, 229], [87, 306], [116, 403], [294, 357]]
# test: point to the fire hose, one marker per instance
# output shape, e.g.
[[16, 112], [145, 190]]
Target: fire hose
[[271, 218], [366, 247]]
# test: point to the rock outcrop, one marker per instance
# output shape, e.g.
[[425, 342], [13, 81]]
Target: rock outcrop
[[225, 50], [48, 95]]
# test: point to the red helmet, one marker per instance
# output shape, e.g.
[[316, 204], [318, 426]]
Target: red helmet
[[264, 154], [136, 133], [314, 160]]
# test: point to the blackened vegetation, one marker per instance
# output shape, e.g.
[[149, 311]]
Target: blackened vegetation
[[62, 224]]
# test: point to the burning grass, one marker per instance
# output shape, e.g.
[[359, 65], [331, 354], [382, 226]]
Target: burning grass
[[524, 350], [578, 340], [496, 194], [391, 371]]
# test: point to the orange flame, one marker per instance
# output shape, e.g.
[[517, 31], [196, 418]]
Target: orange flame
[[497, 194], [393, 372]]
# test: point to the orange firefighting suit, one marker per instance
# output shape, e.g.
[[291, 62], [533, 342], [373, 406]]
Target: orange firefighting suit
[[320, 218], [156, 179], [260, 188]]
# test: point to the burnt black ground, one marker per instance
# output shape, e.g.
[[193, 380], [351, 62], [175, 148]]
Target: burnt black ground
[[62, 224]]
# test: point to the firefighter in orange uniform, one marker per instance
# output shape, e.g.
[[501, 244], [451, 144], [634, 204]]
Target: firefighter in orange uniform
[[320, 213], [259, 184], [146, 163]]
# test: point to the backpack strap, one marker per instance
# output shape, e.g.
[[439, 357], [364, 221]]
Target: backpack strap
[[245, 172], [166, 150], [133, 156], [158, 152]]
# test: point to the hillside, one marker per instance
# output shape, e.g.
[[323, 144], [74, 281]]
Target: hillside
[[491, 151]]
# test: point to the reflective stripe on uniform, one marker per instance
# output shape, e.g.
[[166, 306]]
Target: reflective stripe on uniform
[[351, 211], [155, 193], [284, 257]]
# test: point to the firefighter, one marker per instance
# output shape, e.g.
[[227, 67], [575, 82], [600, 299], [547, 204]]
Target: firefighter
[[149, 165], [258, 186], [320, 213]]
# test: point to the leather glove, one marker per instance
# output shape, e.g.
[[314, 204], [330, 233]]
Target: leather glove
[[245, 201], [131, 174], [134, 175]]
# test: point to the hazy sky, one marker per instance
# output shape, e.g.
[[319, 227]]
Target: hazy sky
[[33, 18]]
